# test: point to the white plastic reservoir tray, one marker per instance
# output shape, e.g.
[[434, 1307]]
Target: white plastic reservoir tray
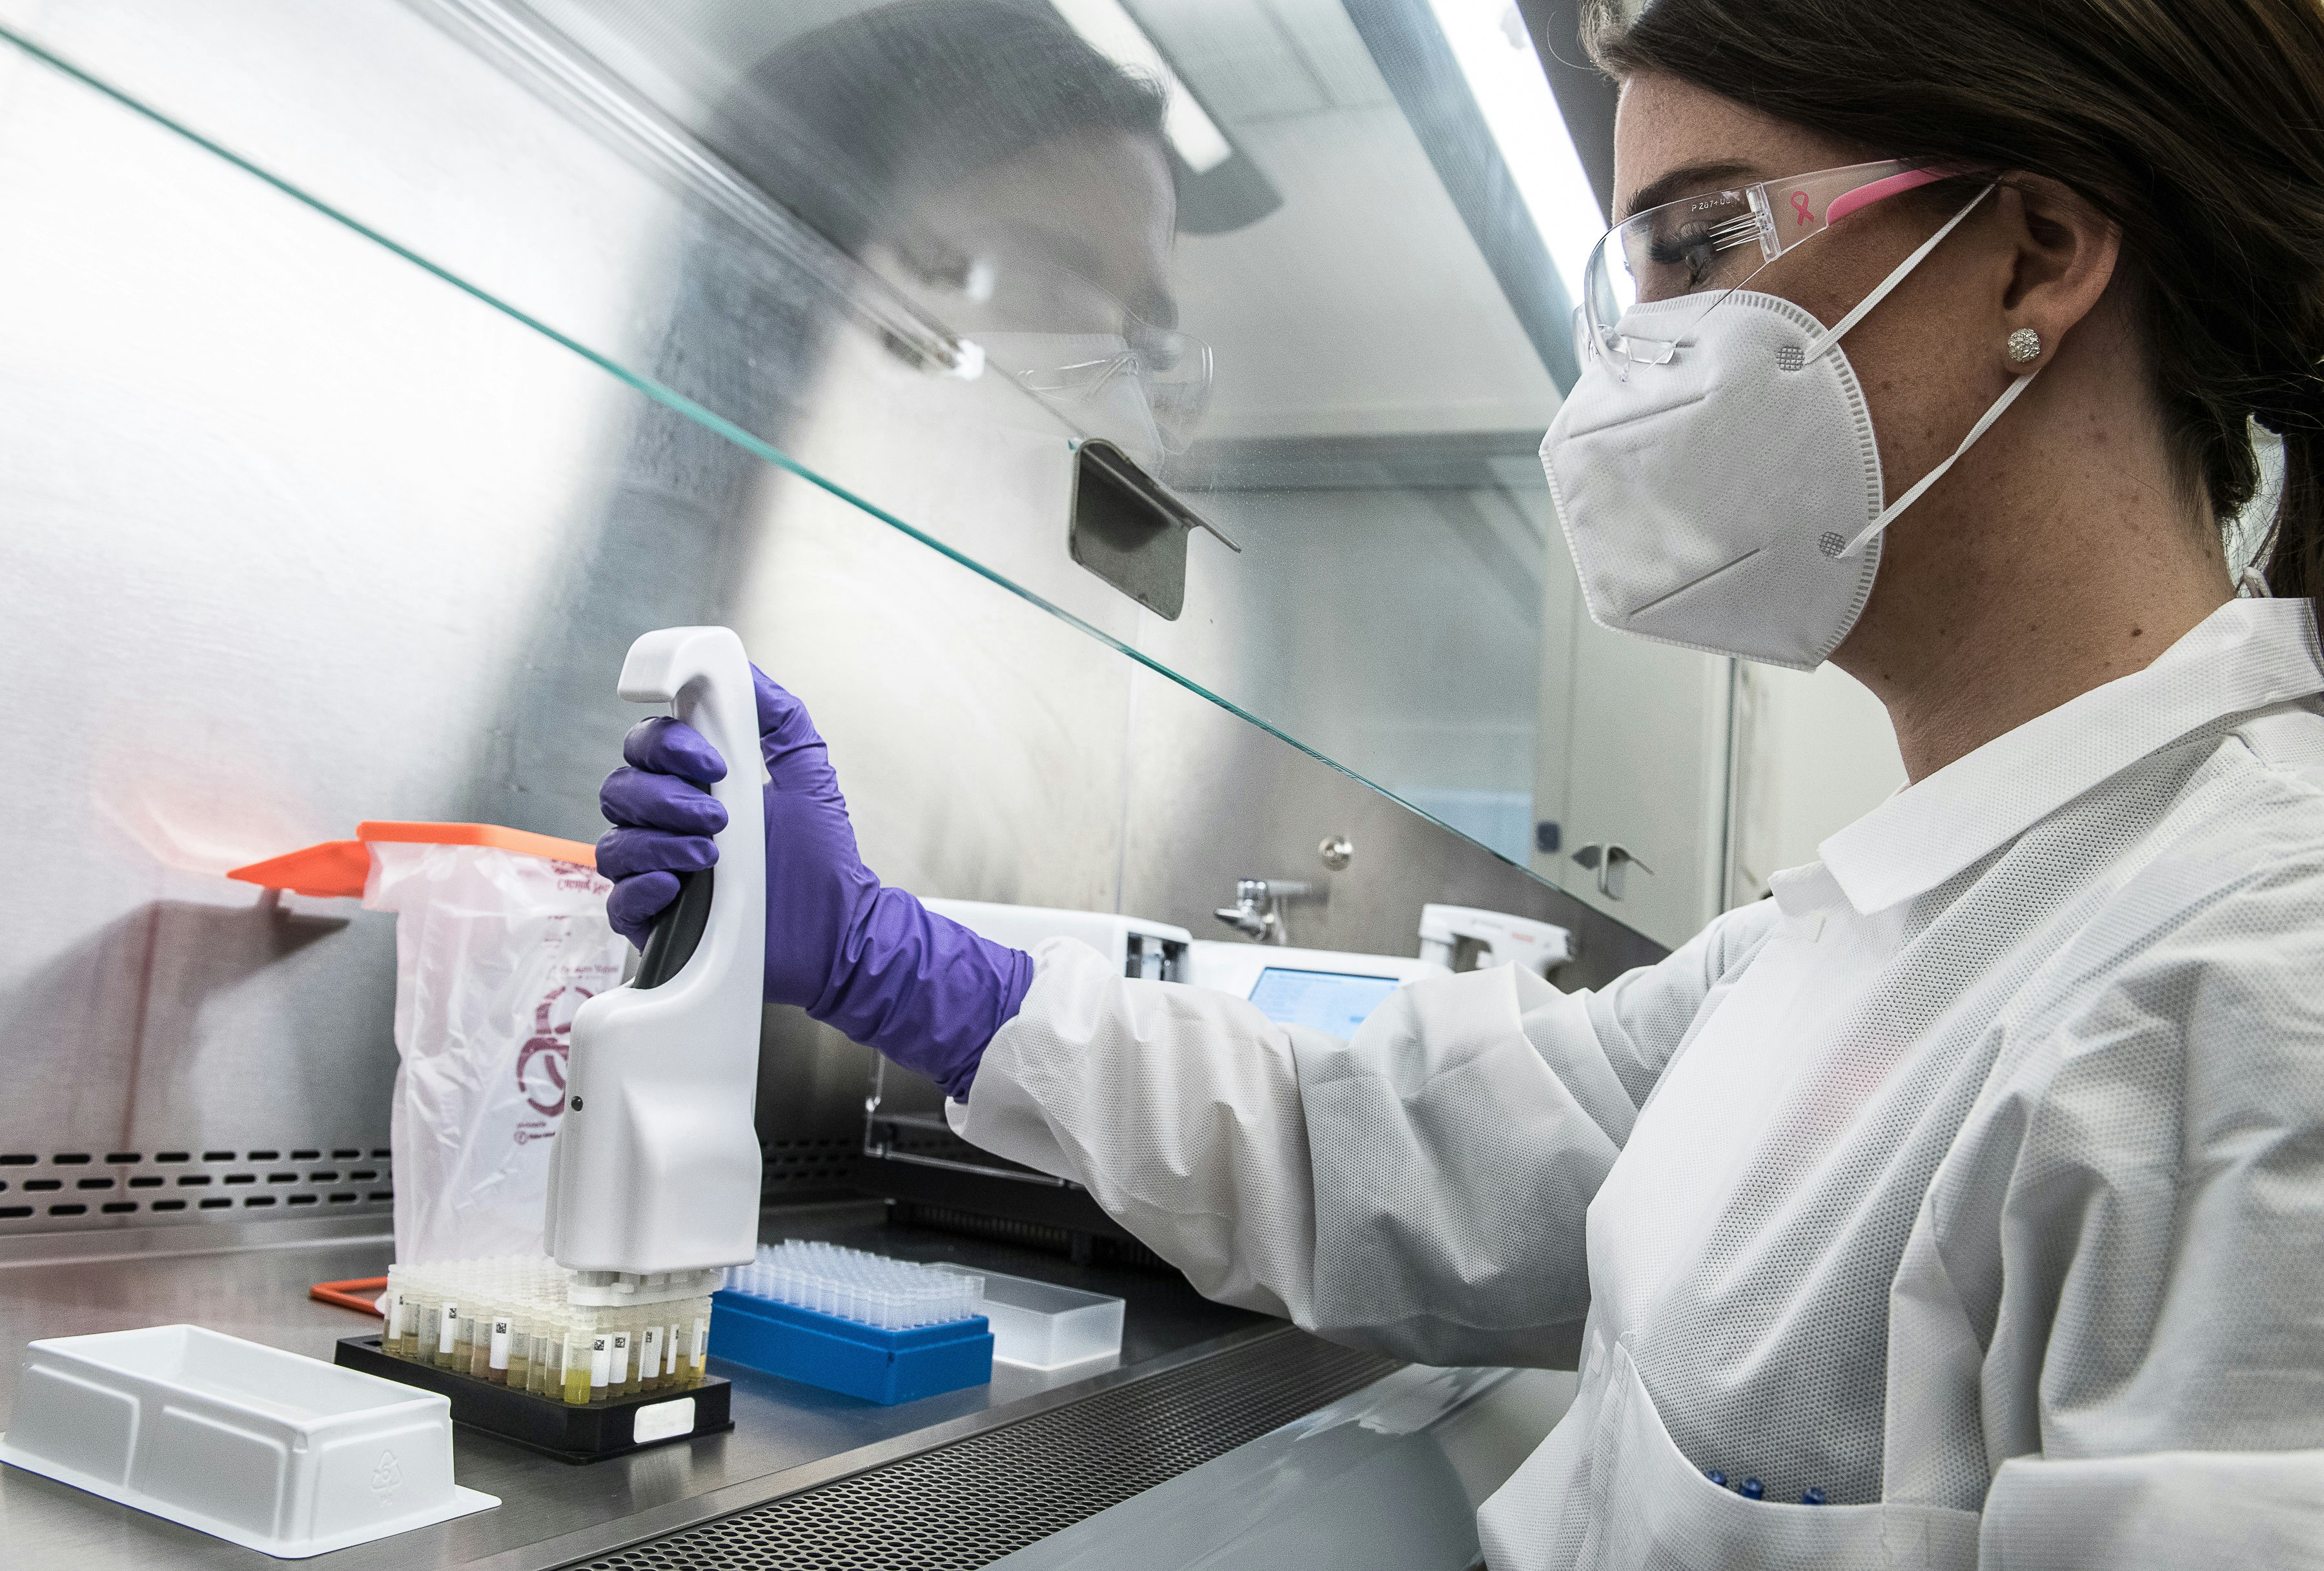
[[1042, 1326], [268, 1449]]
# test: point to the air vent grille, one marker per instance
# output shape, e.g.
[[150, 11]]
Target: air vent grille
[[43, 1191], [46, 1191], [794, 1169]]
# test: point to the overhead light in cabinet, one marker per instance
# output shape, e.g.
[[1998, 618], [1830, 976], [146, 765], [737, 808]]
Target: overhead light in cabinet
[[1105, 26], [1496, 56]]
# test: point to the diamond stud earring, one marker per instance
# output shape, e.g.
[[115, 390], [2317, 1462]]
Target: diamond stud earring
[[2025, 346]]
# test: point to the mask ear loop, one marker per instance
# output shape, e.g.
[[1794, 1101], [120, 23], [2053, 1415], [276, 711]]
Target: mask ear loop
[[1985, 423], [1904, 269]]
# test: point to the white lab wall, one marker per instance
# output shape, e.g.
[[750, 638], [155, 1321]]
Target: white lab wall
[[1716, 772], [1632, 752], [1398, 626], [1813, 753]]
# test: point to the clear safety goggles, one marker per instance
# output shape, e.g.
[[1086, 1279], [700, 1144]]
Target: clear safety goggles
[[1069, 339], [1715, 242], [1171, 369]]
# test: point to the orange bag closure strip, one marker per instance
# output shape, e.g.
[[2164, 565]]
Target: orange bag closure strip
[[480, 834], [338, 866]]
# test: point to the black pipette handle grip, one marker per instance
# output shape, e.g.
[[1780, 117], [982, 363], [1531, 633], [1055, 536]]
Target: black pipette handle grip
[[676, 931]]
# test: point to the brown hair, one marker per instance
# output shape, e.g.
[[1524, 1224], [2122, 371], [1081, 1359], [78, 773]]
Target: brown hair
[[2196, 125]]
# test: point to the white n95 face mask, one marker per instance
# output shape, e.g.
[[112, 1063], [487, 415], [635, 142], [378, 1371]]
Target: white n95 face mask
[[1730, 498]]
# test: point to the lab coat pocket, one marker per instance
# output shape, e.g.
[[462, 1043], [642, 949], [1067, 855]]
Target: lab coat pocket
[[1652, 1509]]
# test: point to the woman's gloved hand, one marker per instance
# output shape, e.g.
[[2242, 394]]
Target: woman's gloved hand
[[870, 961]]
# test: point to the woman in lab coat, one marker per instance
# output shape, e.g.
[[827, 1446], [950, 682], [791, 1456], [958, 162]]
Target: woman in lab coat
[[1973, 1184]]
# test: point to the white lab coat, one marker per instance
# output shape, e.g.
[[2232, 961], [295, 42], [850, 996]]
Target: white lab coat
[[1977, 1178]]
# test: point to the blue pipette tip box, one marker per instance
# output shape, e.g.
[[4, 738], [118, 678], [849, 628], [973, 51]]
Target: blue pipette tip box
[[849, 1356]]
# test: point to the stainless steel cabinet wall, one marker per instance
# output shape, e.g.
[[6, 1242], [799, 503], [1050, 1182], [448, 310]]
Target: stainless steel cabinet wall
[[370, 386]]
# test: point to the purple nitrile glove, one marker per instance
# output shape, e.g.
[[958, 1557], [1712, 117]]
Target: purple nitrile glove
[[870, 961], [665, 818]]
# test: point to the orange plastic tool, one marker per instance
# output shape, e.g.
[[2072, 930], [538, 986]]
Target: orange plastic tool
[[357, 1293]]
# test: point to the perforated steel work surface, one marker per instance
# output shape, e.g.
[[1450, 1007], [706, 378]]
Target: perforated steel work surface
[[968, 1503]]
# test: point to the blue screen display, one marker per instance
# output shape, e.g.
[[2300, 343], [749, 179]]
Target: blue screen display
[[1328, 1001]]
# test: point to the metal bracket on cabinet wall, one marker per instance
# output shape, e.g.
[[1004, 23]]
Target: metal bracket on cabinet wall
[[1607, 861], [1130, 531]]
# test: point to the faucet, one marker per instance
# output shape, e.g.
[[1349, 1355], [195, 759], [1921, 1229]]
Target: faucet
[[1256, 913]]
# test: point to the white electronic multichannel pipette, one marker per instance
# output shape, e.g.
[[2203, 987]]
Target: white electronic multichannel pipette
[[654, 1188]]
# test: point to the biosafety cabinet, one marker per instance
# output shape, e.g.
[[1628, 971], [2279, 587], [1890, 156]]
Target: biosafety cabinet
[[1116, 418]]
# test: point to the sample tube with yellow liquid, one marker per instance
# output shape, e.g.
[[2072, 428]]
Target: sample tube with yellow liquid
[[576, 1355]]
